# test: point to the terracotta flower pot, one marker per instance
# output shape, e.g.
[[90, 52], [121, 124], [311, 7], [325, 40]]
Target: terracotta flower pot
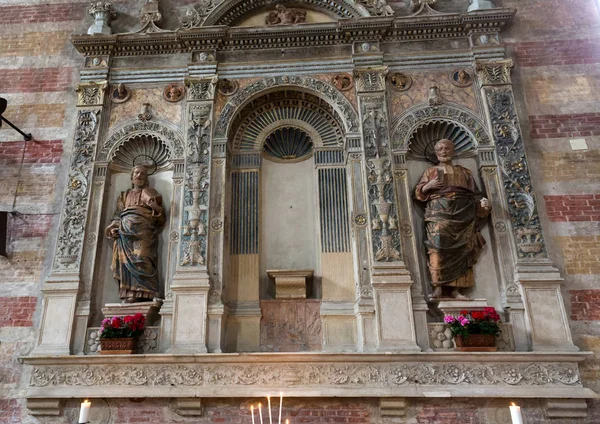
[[122, 346], [476, 343]]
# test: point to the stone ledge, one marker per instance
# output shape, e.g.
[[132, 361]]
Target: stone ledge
[[411, 375]]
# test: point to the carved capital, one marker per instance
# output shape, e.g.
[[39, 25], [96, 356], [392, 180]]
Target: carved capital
[[494, 73], [370, 79], [91, 93], [201, 88]]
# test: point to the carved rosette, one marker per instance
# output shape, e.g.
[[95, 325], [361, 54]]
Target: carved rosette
[[515, 173], [384, 216], [91, 93], [327, 91], [72, 226], [196, 189]]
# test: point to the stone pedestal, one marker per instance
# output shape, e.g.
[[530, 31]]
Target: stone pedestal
[[290, 284], [148, 309], [480, 5], [453, 307]]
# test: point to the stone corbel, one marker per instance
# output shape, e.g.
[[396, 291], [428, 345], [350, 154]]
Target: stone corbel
[[91, 93], [566, 408], [45, 407], [392, 407], [189, 407]]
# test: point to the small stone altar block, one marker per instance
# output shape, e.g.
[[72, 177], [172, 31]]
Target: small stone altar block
[[290, 284], [148, 309], [453, 307]]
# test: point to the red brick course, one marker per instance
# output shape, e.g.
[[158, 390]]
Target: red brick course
[[573, 207], [569, 125], [557, 52], [59, 12], [10, 411], [44, 151], [25, 226], [585, 305], [35, 80], [17, 311]]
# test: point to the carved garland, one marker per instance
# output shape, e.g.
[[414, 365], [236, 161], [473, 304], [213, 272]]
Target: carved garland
[[72, 226], [373, 375], [405, 125], [334, 97], [168, 136]]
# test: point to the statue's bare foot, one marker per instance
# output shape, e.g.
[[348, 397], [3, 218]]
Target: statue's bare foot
[[458, 296], [436, 293]]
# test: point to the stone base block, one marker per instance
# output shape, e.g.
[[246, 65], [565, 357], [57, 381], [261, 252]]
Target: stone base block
[[453, 307], [392, 407], [566, 408], [243, 333], [189, 407], [148, 309], [339, 333], [45, 407]]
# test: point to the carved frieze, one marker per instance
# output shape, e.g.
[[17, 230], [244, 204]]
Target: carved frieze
[[333, 96], [91, 93], [515, 174], [72, 226], [323, 375], [196, 188], [377, 7], [290, 326]]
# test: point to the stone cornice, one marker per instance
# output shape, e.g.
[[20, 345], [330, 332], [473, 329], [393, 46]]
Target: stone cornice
[[345, 31]]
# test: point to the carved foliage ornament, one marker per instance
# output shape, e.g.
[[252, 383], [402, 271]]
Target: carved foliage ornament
[[195, 15], [515, 174], [355, 375], [201, 89], [334, 97], [91, 93], [494, 73], [377, 7], [406, 125], [370, 79], [196, 189], [384, 219], [72, 226]]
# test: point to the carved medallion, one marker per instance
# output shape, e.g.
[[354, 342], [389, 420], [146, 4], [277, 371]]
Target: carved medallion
[[174, 93], [343, 82], [216, 224], [228, 87], [461, 78], [400, 81], [120, 94], [360, 220]]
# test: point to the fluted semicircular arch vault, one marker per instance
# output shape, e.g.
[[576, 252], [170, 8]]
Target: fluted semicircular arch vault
[[260, 117]]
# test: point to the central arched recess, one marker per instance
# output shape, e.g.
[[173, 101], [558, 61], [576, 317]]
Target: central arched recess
[[288, 203]]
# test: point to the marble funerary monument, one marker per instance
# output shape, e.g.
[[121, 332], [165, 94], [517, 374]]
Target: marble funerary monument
[[286, 140]]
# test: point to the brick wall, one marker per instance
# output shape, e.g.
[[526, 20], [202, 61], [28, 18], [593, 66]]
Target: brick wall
[[585, 305], [575, 207]]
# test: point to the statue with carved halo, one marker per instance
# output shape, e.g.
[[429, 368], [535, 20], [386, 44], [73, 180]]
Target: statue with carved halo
[[134, 228], [453, 239]]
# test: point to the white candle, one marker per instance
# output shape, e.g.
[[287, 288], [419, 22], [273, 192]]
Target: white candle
[[252, 411], [280, 403], [269, 402], [287, 421], [515, 414], [84, 412], [260, 413]]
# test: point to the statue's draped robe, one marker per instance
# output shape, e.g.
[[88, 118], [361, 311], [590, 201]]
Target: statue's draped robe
[[135, 252], [453, 239]]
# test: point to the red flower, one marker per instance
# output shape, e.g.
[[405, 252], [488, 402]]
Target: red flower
[[464, 312], [477, 315], [116, 322]]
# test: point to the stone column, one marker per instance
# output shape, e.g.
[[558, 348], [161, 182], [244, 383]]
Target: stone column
[[61, 288], [391, 281], [338, 293], [536, 277], [191, 282]]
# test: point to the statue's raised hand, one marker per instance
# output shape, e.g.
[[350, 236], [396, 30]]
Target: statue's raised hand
[[434, 184]]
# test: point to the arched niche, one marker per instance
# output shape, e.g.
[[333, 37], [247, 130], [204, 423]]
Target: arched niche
[[137, 142], [234, 12], [413, 136]]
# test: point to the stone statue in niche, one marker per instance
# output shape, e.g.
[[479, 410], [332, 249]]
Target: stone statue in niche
[[134, 229], [453, 239], [284, 16]]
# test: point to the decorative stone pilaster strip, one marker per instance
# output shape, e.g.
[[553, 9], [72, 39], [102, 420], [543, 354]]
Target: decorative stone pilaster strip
[[74, 214], [91, 93]]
